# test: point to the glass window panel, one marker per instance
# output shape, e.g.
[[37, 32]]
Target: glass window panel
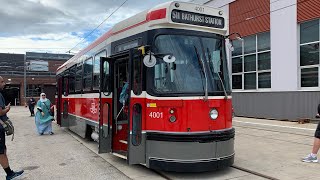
[[309, 31], [72, 79], [237, 47], [78, 83], [87, 74], [264, 80], [237, 81], [309, 77], [264, 41], [96, 70], [136, 124], [250, 44], [250, 81], [264, 61], [250, 63], [137, 76], [236, 64], [309, 54]]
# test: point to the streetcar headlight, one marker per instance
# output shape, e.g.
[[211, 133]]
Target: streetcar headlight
[[213, 114], [171, 111], [172, 119]]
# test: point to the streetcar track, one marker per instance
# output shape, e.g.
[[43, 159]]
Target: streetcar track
[[273, 130], [276, 139], [254, 172], [161, 174]]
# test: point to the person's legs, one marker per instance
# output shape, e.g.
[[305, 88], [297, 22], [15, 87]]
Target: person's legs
[[3, 155], [312, 157], [4, 158], [316, 146], [30, 110]]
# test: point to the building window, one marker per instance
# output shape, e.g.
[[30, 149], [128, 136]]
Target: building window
[[251, 62], [33, 90], [309, 53]]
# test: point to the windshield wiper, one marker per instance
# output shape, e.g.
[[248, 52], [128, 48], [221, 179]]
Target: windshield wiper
[[203, 69], [224, 89]]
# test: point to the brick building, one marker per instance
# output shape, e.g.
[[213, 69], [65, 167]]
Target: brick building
[[38, 75]]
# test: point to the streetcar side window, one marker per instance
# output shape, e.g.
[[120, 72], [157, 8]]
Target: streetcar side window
[[96, 70], [78, 84], [137, 75], [136, 125], [106, 78], [65, 84], [72, 80], [87, 74]]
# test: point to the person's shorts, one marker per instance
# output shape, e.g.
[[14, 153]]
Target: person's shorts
[[2, 141], [317, 133]]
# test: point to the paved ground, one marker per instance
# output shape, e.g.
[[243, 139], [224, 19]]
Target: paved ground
[[59, 156], [272, 148]]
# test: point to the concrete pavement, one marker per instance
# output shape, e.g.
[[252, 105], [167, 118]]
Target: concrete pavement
[[269, 147], [59, 156]]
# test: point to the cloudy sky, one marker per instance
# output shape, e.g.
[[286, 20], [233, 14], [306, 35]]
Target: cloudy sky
[[58, 25]]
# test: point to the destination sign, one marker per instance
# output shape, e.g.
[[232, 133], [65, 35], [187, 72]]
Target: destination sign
[[186, 17], [127, 45]]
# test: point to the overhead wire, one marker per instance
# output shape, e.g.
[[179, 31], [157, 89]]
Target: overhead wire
[[98, 26]]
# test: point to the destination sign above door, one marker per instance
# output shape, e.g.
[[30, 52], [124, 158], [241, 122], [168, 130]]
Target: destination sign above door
[[186, 17]]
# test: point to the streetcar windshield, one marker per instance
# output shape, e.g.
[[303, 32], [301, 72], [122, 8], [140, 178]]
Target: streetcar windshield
[[198, 62]]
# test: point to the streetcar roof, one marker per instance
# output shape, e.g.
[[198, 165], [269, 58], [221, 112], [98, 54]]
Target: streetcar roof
[[154, 18]]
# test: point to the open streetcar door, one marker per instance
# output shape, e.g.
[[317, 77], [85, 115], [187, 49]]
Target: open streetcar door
[[105, 91], [136, 142]]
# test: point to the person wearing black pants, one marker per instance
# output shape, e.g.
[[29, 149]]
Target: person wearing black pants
[[312, 157], [31, 104]]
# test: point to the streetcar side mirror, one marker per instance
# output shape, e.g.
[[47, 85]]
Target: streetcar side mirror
[[149, 60], [169, 58]]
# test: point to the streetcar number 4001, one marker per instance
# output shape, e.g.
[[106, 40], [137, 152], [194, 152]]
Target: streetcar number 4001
[[156, 115]]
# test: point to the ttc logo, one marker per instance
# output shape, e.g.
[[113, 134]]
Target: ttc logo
[[93, 108]]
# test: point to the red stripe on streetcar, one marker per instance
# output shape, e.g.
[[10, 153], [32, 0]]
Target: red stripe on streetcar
[[157, 14]]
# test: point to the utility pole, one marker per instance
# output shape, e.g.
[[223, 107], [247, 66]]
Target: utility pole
[[25, 78]]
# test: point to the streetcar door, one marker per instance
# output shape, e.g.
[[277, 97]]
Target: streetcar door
[[136, 142], [59, 99], [105, 120]]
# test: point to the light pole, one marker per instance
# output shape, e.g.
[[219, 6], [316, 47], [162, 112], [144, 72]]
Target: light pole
[[25, 79]]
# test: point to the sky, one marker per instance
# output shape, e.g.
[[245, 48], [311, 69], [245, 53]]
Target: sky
[[56, 26]]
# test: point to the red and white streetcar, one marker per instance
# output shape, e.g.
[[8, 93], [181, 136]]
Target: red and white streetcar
[[155, 90]]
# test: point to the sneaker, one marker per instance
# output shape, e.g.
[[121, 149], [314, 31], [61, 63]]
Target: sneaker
[[309, 158], [15, 174], [51, 133]]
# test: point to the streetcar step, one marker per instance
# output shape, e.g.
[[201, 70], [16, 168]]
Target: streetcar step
[[119, 155], [123, 141]]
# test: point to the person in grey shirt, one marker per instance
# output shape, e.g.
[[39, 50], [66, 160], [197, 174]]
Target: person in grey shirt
[[3, 149]]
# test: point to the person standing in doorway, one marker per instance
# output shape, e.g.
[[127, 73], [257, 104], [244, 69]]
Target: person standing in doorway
[[3, 149], [31, 104]]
